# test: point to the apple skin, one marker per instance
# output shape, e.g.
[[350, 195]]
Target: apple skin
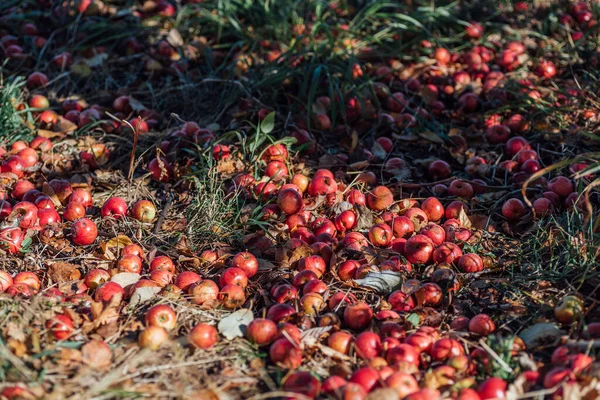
[[204, 292], [285, 353], [74, 211], [290, 201], [6, 281], [419, 249], [107, 290], [380, 234], [380, 198], [161, 315], [261, 331], [186, 279], [96, 277], [232, 296], [153, 337], [203, 336], [492, 388], [61, 326], [143, 211], [358, 316], [29, 278], [162, 263], [114, 207], [247, 262], [482, 325], [84, 232], [11, 239]]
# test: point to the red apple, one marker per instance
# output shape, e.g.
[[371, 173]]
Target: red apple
[[161, 315], [114, 207], [419, 249], [153, 337], [84, 232]]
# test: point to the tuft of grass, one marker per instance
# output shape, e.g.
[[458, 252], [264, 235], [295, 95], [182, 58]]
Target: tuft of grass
[[214, 216], [565, 248], [12, 127]]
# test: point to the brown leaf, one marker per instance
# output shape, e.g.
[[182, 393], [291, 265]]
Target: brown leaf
[[63, 125], [69, 356], [299, 253], [420, 296], [482, 222], [464, 218], [428, 316], [174, 225], [431, 136], [18, 348], [50, 134], [61, 272], [226, 166], [111, 250], [314, 203], [265, 265], [183, 246], [364, 217], [15, 331], [174, 38]]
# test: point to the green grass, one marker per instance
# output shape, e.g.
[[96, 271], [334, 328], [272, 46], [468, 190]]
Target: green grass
[[12, 126], [562, 249]]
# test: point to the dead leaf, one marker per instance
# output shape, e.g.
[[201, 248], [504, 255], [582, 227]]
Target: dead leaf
[[61, 272], [431, 136], [364, 217], [384, 282], [464, 218], [542, 333], [299, 253], [45, 133], [96, 61], [235, 323], [136, 105], [111, 250], [265, 265], [63, 125], [183, 246], [174, 38], [143, 294], [311, 337], [18, 348]]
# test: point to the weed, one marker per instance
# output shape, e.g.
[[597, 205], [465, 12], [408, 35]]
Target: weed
[[12, 127]]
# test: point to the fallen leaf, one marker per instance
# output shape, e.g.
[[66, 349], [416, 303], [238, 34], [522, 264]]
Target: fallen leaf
[[174, 38], [135, 104], [63, 272], [125, 278], [143, 294], [364, 217], [542, 333], [264, 265], [312, 336], [383, 282], [96, 60], [233, 325], [464, 218], [63, 125], [111, 250], [431, 136]]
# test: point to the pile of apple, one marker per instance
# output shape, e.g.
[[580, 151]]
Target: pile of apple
[[347, 223]]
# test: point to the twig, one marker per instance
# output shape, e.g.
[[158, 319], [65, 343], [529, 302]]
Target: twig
[[163, 214]]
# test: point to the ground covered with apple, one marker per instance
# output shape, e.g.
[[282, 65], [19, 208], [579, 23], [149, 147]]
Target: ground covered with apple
[[299, 199]]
